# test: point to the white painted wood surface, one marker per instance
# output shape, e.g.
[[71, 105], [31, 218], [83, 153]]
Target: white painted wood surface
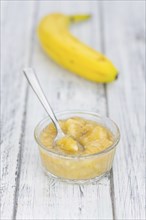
[[16, 52], [117, 29], [126, 104]]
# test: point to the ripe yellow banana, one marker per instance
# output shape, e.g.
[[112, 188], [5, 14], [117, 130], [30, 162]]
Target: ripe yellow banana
[[70, 53]]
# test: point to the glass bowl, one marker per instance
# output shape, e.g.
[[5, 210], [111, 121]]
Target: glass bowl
[[83, 168]]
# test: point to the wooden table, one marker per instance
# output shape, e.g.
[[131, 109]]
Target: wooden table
[[116, 29]]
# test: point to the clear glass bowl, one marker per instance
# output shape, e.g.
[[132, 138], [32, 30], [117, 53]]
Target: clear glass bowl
[[78, 169]]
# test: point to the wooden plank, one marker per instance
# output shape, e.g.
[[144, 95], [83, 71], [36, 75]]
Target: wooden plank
[[15, 53], [42, 197], [125, 43]]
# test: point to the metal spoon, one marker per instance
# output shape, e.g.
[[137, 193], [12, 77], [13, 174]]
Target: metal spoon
[[34, 83]]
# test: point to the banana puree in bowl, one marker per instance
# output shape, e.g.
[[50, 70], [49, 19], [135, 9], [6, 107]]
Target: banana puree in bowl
[[98, 135]]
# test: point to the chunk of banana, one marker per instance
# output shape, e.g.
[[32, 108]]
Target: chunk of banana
[[67, 144], [89, 134]]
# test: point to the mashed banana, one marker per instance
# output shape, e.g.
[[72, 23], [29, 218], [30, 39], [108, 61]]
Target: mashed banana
[[92, 136]]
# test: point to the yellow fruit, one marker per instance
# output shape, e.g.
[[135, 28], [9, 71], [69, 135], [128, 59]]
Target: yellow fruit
[[67, 144], [95, 133], [74, 127], [69, 52]]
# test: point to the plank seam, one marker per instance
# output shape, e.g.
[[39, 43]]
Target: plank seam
[[102, 43], [21, 140]]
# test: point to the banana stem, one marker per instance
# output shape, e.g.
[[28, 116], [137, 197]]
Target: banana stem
[[79, 17]]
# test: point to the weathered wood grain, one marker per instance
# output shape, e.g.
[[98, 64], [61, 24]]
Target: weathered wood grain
[[117, 28], [16, 46], [42, 197], [124, 43]]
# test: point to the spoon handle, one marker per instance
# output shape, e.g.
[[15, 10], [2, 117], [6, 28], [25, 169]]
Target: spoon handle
[[34, 83]]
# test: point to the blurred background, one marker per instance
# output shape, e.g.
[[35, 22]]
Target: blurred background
[[117, 29]]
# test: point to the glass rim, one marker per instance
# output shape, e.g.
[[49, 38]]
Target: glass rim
[[58, 154]]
